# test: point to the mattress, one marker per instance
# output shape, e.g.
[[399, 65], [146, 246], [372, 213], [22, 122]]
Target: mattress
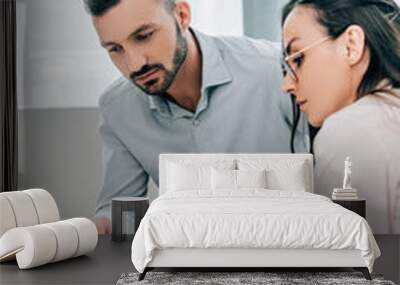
[[250, 219]]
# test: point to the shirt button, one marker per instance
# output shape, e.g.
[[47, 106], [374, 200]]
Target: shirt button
[[196, 123]]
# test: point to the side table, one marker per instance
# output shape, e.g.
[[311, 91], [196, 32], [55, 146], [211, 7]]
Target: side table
[[121, 205], [358, 206]]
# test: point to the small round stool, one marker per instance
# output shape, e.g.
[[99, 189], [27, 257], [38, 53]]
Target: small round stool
[[119, 207]]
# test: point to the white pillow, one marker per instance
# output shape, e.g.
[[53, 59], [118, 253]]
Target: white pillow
[[186, 175], [223, 179], [251, 178], [181, 178], [281, 174], [237, 179]]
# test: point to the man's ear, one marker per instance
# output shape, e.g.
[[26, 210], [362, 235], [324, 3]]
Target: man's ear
[[354, 41], [183, 14]]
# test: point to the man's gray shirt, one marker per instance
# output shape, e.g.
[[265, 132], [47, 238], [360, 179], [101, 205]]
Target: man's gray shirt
[[241, 110]]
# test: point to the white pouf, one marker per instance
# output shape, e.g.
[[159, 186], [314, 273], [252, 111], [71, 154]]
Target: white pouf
[[7, 218], [34, 246], [40, 244], [67, 240], [45, 205], [23, 208], [87, 233], [26, 208]]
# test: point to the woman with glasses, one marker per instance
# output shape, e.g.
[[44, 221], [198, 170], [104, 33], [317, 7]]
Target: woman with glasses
[[341, 62]]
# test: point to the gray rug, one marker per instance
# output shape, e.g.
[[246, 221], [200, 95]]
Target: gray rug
[[230, 278]]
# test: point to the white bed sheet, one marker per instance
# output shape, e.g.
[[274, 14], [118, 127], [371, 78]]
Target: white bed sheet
[[250, 218]]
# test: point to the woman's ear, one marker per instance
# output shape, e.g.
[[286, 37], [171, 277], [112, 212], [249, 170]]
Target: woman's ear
[[354, 41], [183, 14]]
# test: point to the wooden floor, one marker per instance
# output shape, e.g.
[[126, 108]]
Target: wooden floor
[[106, 264], [389, 262]]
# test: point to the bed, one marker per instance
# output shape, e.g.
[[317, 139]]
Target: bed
[[245, 211]]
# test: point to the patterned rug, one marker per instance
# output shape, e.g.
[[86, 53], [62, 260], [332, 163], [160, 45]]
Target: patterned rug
[[244, 278]]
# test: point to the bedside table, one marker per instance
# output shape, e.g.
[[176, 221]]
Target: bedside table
[[120, 207], [358, 206]]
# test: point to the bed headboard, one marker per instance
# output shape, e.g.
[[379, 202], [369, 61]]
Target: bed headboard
[[164, 158]]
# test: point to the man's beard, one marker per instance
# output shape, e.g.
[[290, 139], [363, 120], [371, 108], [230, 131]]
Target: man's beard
[[180, 54]]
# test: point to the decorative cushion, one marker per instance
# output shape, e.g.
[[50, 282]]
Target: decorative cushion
[[223, 179], [252, 178], [237, 179], [281, 174], [184, 175]]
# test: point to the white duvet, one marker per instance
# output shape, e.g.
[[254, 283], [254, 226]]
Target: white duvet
[[251, 218]]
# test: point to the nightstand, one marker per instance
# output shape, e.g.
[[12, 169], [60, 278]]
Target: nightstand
[[358, 206], [120, 215]]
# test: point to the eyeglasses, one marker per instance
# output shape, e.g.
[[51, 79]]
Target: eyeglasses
[[295, 59], [393, 17]]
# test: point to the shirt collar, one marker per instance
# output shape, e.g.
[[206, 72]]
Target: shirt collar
[[214, 70]]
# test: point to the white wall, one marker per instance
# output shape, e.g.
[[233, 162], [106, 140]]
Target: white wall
[[218, 17], [63, 65]]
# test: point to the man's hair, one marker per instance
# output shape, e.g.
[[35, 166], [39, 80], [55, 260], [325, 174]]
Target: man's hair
[[99, 7]]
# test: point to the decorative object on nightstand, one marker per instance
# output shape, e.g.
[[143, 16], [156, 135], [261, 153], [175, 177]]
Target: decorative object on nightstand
[[358, 206], [347, 192], [121, 208]]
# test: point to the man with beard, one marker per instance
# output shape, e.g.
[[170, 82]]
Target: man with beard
[[191, 93]]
